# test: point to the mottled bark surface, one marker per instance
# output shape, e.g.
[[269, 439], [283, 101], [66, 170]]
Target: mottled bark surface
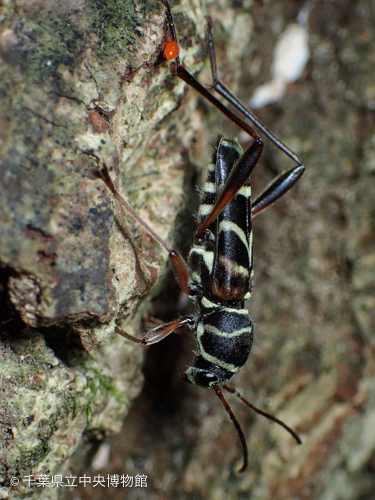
[[83, 83]]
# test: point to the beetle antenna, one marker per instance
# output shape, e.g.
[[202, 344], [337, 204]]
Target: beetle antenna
[[237, 426], [263, 413]]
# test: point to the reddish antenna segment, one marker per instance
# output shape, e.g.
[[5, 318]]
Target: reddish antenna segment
[[171, 50]]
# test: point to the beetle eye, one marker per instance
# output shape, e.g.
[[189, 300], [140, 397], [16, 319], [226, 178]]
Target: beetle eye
[[205, 379]]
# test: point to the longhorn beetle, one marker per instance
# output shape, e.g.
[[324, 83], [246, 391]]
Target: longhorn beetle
[[220, 261]]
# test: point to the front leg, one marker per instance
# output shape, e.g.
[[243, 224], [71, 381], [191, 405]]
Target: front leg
[[158, 333]]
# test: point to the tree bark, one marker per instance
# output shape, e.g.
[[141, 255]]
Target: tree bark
[[84, 84]]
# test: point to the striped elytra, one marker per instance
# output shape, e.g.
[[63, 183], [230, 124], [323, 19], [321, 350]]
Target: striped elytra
[[221, 269]]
